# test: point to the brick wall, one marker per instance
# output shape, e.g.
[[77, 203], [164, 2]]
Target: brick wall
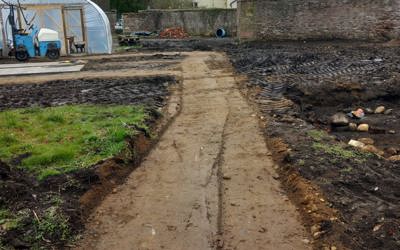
[[196, 22], [319, 19]]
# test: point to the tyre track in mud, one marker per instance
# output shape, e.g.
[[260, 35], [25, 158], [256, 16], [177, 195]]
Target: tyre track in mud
[[150, 91], [276, 72], [208, 184], [297, 89]]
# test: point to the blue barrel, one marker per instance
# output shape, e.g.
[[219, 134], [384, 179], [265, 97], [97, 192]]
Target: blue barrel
[[220, 32]]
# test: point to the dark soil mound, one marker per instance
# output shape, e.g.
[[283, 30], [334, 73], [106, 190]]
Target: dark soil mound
[[149, 91], [128, 62], [299, 87]]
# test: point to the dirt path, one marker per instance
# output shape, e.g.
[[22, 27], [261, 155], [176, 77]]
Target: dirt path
[[209, 182]]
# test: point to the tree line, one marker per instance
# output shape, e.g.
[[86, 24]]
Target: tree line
[[123, 6]]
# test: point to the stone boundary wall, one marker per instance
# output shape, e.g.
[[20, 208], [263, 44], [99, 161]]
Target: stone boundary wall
[[319, 19], [196, 22]]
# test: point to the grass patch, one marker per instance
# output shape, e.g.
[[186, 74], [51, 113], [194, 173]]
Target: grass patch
[[338, 151], [63, 139], [57, 118], [346, 170], [317, 135]]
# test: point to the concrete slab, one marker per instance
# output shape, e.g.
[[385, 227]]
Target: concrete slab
[[40, 68]]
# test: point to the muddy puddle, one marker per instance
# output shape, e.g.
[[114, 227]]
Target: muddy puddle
[[298, 89]]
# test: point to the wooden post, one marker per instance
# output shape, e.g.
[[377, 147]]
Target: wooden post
[[3, 33], [84, 31], [66, 45]]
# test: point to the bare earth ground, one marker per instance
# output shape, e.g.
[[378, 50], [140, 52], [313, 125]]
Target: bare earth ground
[[298, 87], [208, 184]]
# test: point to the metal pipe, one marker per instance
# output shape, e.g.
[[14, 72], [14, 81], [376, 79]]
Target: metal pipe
[[11, 21]]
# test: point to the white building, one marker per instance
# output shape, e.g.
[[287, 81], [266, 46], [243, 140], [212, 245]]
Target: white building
[[215, 3]]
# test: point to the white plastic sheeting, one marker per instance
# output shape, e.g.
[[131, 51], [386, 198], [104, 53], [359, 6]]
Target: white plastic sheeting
[[49, 15]]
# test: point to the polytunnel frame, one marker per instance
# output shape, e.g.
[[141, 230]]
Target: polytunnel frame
[[101, 28]]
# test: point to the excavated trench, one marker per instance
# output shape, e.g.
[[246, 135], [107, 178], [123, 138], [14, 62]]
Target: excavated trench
[[384, 127], [298, 87], [363, 185]]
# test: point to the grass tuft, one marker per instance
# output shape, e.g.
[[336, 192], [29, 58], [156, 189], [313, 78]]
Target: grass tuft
[[8, 221], [47, 173], [59, 118], [10, 120], [7, 139], [47, 156], [317, 135]]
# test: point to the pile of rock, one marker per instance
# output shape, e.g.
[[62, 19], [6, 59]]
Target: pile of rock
[[341, 121], [383, 110], [354, 121], [367, 145]]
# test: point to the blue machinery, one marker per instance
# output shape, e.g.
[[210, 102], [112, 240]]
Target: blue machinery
[[42, 43]]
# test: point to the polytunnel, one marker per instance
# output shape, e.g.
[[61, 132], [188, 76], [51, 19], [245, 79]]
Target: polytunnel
[[79, 23]]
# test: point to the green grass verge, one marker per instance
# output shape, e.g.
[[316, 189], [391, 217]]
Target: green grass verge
[[66, 138]]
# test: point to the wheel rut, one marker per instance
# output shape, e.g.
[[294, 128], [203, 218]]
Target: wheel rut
[[207, 184]]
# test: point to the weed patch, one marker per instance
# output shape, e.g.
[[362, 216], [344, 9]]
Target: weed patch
[[52, 226], [317, 135], [340, 152], [8, 220]]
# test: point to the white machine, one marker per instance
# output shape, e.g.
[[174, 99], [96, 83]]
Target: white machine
[[47, 35]]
